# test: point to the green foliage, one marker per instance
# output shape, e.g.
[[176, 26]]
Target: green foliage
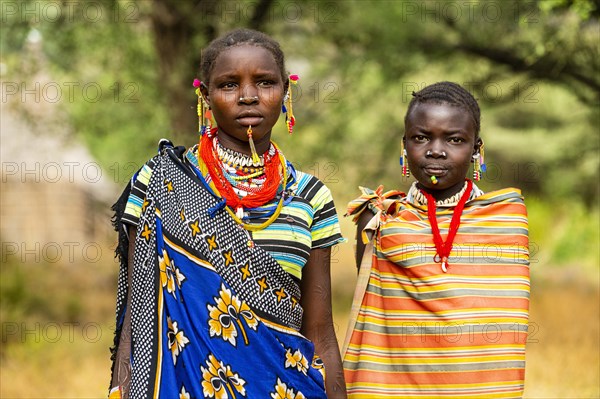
[[532, 65], [533, 70], [563, 235], [583, 8], [23, 294]]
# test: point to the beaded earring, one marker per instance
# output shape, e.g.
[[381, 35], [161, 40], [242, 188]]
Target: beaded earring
[[479, 164], [290, 121], [204, 112], [403, 161]]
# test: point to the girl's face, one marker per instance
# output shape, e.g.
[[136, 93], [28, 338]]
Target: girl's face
[[440, 141], [251, 73]]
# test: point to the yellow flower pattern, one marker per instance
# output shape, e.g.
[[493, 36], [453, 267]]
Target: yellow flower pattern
[[170, 276], [283, 392], [219, 381], [296, 360], [177, 340], [184, 394], [226, 317]]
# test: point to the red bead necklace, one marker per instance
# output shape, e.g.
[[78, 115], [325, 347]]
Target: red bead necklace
[[443, 249], [267, 191]]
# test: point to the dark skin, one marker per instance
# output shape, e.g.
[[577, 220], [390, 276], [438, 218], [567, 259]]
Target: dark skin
[[249, 71], [440, 140], [317, 321], [245, 89]]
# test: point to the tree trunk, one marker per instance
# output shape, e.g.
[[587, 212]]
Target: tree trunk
[[178, 26]]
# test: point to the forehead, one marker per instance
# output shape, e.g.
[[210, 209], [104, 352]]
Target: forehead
[[245, 58], [441, 115]]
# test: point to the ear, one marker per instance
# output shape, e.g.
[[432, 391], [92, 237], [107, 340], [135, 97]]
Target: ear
[[477, 146], [204, 91], [286, 86]]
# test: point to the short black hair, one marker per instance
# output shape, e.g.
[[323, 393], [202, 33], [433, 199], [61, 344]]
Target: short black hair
[[239, 37], [447, 93]]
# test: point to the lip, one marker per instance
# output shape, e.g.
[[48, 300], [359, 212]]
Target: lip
[[249, 118], [435, 170]]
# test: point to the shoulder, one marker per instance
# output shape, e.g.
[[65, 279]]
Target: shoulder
[[311, 188], [510, 195], [166, 149], [375, 201], [507, 204]]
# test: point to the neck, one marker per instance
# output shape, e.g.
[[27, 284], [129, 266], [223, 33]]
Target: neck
[[441, 195], [262, 144]]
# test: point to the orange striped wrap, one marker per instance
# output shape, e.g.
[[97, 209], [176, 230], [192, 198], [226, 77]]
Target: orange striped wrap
[[417, 332]]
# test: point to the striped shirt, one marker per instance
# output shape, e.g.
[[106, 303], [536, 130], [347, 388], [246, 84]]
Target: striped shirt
[[418, 332], [309, 221]]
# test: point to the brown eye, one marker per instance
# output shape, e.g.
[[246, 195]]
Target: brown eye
[[228, 86]]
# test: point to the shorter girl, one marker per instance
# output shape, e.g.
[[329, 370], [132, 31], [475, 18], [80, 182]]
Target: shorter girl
[[441, 306]]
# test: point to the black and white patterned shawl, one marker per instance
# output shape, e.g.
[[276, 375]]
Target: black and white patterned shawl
[[176, 196]]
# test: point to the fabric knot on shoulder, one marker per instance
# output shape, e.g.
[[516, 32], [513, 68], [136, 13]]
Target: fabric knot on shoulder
[[374, 200]]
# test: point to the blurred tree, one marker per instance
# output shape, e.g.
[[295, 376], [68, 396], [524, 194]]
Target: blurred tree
[[509, 54], [553, 40], [142, 56], [360, 61]]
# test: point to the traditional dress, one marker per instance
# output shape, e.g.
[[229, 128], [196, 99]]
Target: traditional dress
[[214, 314], [419, 332]]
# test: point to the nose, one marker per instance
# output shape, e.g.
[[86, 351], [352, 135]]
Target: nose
[[436, 151], [249, 95], [248, 100]]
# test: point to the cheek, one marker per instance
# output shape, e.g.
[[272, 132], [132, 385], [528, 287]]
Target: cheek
[[223, 99], [464, 161], [413, 154], [273, 103], [273, 97]]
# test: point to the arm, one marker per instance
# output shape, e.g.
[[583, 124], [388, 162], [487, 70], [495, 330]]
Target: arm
[[361, 223], [122, 375], [317, 322]]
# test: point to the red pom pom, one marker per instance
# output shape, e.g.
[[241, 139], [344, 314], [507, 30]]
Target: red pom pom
[[197, 83], [294, 78]]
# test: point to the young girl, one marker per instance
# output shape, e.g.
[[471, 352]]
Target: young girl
[[226, 289], [441, 307]]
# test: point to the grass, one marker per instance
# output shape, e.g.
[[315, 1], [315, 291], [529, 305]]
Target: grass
[[64, 368], [563, 356]]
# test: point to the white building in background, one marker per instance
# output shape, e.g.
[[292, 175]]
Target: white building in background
[[54, 197]]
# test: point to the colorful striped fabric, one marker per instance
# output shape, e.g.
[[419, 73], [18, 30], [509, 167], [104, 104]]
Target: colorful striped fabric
[[418, 332]]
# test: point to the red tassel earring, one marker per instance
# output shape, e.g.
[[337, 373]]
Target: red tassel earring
[[403, 161], [204, 112]]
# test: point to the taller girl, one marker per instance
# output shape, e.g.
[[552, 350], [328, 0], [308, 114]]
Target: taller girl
[[441, 308], [226, 292]]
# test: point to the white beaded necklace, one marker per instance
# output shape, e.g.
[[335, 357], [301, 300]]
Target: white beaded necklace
[[417, 197]]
